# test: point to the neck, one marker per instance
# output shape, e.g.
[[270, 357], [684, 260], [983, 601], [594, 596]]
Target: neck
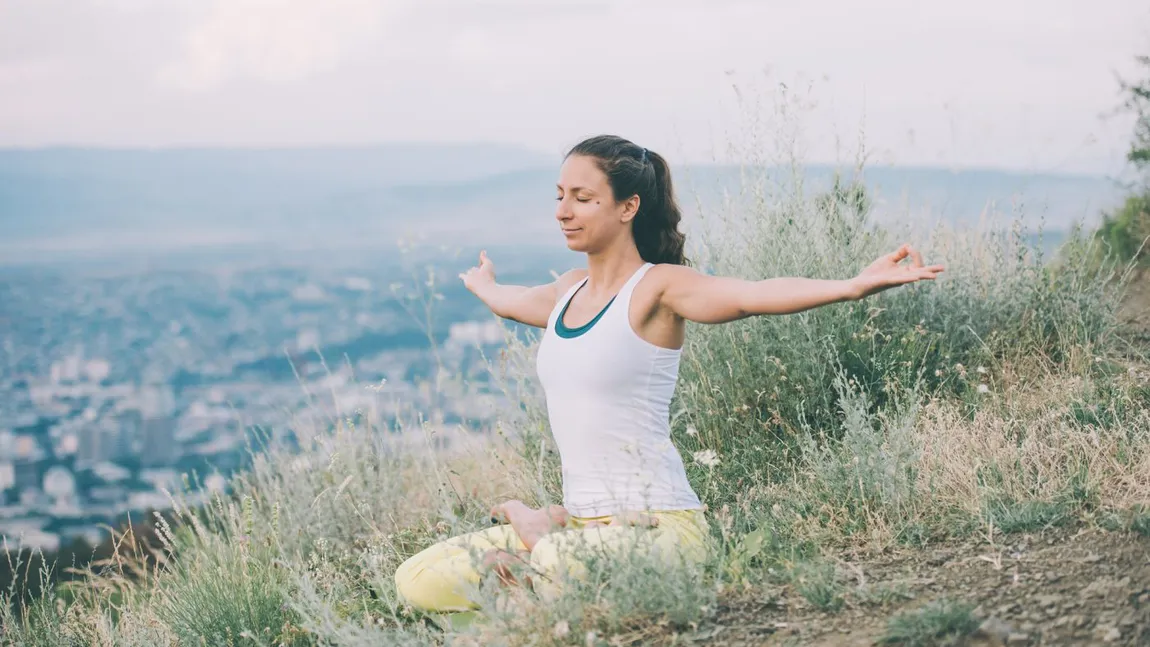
[[609, 269]]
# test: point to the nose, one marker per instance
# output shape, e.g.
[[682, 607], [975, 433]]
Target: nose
[[562, 211]]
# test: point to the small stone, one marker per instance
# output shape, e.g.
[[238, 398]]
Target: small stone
[[1112, 635], [1048, 600], [995, 630], [1027, 627], [1018, 639], [939, 558]]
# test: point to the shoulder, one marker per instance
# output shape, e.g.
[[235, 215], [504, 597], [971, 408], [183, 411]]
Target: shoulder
[[666, 275], [663, 282], [568, 279]]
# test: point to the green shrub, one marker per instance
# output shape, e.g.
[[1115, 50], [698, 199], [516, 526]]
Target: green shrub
[[749, 388], [1125, 232]]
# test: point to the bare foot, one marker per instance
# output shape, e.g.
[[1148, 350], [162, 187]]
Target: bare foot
[[530, 524]]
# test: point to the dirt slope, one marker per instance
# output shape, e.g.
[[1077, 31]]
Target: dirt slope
[[1057, 587]]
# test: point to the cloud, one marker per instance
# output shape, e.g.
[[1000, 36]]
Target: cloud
[[275, 41]]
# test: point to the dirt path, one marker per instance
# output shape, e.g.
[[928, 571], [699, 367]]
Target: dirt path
[[1058, 587]]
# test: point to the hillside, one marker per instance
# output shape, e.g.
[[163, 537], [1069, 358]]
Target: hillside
[[960, 462], [95, 202]]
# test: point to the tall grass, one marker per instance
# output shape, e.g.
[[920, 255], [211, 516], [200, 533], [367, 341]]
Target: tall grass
[[749, 388]]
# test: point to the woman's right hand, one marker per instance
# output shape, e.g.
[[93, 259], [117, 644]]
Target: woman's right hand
[[481, 276]]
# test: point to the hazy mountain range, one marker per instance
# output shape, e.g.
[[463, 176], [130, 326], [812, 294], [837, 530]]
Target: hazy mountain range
[[56, 203]]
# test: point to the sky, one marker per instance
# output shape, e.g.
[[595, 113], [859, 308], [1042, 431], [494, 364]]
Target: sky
[[1015, 84]]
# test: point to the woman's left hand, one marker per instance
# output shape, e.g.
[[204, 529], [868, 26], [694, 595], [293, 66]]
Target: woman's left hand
[[886, 272]]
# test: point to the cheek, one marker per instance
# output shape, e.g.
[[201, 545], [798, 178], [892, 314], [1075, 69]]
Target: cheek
[[589, 211]]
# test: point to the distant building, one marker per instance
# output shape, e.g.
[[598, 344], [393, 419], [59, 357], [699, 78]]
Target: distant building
[[59, 483], [89, 446], [7, 476], [27, 474], [128, 430], [158, 446]]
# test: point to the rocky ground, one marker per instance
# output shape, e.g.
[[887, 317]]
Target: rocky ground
[[1060, 586]]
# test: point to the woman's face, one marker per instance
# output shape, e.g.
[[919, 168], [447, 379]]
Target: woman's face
[[587, 212]]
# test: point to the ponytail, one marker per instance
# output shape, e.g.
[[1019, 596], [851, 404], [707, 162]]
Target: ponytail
[[632, 170]]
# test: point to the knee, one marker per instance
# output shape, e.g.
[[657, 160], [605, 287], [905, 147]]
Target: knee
[[556, 560], [433, 582], [408, 584]]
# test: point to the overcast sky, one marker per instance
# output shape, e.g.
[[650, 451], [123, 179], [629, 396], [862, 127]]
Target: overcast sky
[[1002, 83]]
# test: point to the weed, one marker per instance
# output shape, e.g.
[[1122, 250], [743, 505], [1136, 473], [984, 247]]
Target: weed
[[942, 622]]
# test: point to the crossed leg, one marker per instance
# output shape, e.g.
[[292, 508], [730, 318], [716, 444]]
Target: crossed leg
[[445, 577]]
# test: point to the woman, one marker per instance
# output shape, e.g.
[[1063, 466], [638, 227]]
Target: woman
[[608, 363]]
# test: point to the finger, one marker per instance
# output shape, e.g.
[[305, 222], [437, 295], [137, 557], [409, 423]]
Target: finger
[[900, 253], [915, 257]]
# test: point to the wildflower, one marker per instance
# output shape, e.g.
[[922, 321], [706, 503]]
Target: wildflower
[[691, 431], [562, 628], [937, 373], [981, 370], [982, 388], [1097, 360], [707, 457]]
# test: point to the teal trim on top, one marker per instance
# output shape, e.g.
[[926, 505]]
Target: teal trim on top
[[563, 331]]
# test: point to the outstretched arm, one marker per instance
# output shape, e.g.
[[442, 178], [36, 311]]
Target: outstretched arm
[[718, 299], [527, 305]]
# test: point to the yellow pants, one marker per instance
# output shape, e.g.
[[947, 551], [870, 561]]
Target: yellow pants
[[443, 578]]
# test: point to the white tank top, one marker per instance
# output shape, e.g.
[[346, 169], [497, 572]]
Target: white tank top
[[608, 394]]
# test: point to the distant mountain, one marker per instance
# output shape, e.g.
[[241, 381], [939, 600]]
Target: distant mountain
[[96, 201], [52, 192]]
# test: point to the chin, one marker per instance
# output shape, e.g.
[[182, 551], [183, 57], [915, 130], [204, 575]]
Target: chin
[[575, 245]]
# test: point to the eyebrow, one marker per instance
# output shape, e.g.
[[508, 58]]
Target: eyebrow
[[575, 189]]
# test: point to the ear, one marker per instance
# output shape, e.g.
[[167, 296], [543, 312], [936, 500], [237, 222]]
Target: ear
[[630, 208]]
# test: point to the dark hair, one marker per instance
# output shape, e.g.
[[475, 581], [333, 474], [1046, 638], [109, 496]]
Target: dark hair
[[634, 170]]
